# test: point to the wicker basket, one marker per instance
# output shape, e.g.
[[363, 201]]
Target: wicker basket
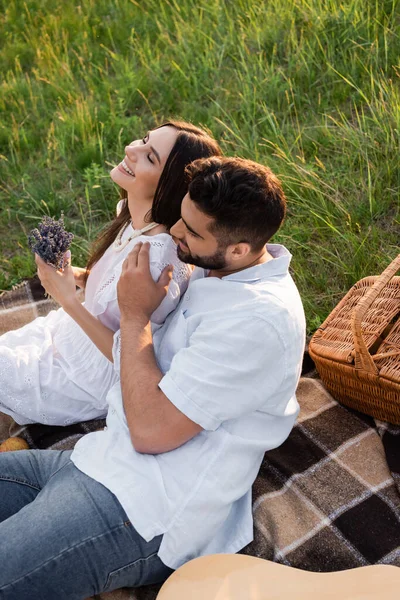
[[357, 349]]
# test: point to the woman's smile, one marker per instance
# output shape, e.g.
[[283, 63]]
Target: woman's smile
[[123, 167]]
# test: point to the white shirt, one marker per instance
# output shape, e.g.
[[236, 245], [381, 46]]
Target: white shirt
[[232, 354]]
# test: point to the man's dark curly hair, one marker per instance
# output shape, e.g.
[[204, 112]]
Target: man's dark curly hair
[[244, 198]]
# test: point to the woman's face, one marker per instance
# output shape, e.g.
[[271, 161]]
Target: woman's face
[[140, 170]]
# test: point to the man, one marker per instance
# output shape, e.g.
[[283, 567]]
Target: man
[[203, 398]]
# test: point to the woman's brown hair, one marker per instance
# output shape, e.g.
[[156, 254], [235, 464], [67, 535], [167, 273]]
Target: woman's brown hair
[[191, 143]]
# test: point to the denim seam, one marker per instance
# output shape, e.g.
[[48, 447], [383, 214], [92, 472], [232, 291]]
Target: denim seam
[[60, 468], [123, 526], [131, 564], [21, 481]]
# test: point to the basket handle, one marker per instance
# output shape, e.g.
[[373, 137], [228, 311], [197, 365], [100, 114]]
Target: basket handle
[[363, 359]]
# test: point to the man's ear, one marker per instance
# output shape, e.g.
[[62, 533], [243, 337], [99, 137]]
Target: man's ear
[[239, 251]]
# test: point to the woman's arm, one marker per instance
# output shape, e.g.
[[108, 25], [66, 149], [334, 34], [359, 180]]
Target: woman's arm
[[61, 285]]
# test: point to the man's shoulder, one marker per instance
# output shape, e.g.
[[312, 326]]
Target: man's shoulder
[[267, 309], [243, 296]]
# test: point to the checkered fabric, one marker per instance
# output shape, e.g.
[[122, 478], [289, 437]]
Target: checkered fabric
[[23, 304], [328, 499]]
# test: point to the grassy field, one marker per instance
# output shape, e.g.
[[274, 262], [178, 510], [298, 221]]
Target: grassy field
[[309, 87]]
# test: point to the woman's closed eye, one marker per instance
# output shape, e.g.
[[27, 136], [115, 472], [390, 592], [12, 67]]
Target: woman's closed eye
[[145, 140]]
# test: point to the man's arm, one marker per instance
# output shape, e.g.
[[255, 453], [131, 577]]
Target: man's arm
[[155, 424]]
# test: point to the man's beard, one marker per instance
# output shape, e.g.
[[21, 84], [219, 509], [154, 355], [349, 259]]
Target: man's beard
[[215, 262]]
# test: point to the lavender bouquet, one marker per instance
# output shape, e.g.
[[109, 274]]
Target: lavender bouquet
[[50, 240]]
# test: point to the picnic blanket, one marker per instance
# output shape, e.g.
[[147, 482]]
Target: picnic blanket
[[327, 499]]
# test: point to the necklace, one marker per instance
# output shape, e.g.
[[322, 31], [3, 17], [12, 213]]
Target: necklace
[[118, 245]]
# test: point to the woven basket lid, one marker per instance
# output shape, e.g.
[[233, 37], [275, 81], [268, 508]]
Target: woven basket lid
[[334, 338]]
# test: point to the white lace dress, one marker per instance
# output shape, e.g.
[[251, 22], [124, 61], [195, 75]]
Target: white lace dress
[[50, 370]]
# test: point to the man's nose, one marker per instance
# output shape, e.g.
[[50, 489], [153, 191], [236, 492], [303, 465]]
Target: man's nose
[[176, 230]]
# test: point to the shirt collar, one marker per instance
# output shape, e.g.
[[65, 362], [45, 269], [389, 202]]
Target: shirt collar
[[279, 266]]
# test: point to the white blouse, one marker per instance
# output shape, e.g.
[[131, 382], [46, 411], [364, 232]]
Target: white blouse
[[50, 370]]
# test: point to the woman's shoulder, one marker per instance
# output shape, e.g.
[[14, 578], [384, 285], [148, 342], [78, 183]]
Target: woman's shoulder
[[163, 251], [160, 244], [160, 240]]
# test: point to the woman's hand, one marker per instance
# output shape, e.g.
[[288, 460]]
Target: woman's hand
[[60, 285], [80, 276]]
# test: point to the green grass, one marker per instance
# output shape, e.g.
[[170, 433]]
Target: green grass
[[309, 87]]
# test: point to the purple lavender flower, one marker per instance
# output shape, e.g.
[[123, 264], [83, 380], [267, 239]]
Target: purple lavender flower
[[50, 240]]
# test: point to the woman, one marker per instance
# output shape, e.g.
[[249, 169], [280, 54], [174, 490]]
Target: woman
[[58, 369]]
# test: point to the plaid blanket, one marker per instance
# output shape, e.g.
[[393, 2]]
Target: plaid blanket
[[328, 499]]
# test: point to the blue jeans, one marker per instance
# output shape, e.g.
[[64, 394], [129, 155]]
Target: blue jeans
[[63, 535]]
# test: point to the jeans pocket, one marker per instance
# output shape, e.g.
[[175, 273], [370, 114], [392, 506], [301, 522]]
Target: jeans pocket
[[142, 571]]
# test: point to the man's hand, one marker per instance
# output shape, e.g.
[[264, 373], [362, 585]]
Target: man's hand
[[60, 285], [138, 294]]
